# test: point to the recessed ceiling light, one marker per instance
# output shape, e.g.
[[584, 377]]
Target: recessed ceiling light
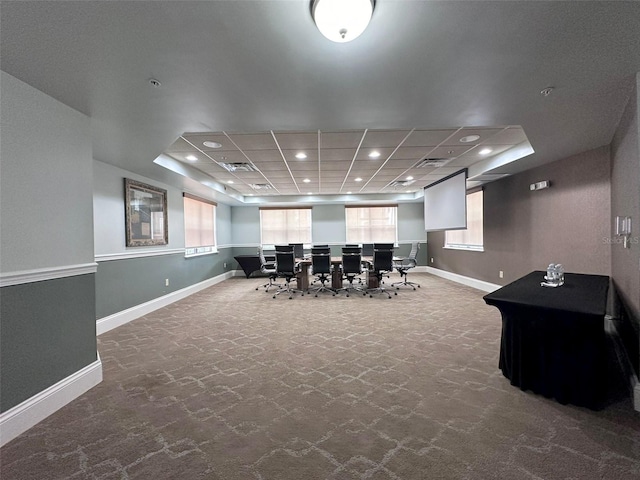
[[374, 154], [212, 144], [301, 155], [306, 180], [191, 158], [409, 177], [309, 193], [469, 138], [348, 193], [485, 151], [229, 181], [358, 179]]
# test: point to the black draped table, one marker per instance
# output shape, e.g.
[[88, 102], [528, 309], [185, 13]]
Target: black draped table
[[553, 339]]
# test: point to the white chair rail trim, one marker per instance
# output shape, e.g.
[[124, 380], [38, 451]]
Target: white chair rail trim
[[50, 273], [25, 415]]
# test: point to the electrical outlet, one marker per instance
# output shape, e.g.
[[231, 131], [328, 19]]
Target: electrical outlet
[[501, 274], [166, 282], [431, 259], [224, 265]]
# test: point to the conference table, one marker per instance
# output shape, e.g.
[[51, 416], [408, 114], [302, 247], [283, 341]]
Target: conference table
[[302, 278], [553, 339]]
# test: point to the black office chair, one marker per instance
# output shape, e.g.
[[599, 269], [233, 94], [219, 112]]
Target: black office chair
[[286, 268], [284, 248], [384, 246], [351, 268], [298, 249], [268, 267], [321, 264], [382, 264], [404, 264]]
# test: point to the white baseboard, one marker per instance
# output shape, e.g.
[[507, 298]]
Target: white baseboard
[[125, 316], [468, 281], [22, 417]]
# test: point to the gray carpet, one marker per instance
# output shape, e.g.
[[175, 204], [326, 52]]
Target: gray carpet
[[232, 384]]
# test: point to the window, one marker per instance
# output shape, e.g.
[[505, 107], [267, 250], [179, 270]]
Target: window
[[373, 224], [199, 226], [470, 238], [281, 226]]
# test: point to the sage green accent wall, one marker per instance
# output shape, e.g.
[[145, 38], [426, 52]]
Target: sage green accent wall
[[411, 223], [47, 328], [122, 284], [246, 226], [45, 186], [48, 333], [328, 224]]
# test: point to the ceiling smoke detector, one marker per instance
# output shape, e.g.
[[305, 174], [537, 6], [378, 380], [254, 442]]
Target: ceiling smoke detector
[[239, 167]]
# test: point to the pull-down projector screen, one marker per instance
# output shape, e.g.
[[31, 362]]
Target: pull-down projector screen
[[445, 203]]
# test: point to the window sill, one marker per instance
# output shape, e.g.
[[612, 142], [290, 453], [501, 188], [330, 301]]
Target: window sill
[[199, 251], [467, 248]]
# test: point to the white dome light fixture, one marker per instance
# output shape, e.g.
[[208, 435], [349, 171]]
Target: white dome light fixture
[[342, 20]]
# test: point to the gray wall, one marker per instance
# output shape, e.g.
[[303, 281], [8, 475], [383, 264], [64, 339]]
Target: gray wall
[[47, 328], [129, 276], [625, 201], [568, 223]]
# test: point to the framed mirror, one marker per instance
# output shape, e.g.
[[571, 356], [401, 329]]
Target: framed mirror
[[145, 214]]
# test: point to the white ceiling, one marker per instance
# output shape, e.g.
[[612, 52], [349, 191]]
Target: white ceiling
[[352, 162], [259, 70]]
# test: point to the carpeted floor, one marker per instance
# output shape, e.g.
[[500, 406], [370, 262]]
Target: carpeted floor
[[232, 384]]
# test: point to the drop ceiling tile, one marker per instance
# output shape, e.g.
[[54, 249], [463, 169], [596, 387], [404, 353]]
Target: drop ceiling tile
[[306, 141], [253, 141], [267, 155], [509, 136], [290, 155], [484, 133], [180, 145], [428, 138], [333, 140], [377, 139], [198, 139], [337, 154], [415, 153]]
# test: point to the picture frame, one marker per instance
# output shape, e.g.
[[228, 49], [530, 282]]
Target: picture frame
[[146, 220]]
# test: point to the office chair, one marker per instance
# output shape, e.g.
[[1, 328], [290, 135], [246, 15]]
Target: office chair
[[404, 264], [351, 268], [286, 268], [384, 246], [268, 267], [298, 249], [367, 249], [284, 248], [382, 264], [321, 264]]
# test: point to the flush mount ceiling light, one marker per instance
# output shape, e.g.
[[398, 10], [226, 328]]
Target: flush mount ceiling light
[[191, 158], [301, 155], [374, 154], [485, 151], [341, 20], [212, 144], [469, 138]]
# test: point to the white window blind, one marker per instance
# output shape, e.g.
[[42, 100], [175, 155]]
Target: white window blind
[[372, 224], [470, 238], [281, 226], [199, 225]]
